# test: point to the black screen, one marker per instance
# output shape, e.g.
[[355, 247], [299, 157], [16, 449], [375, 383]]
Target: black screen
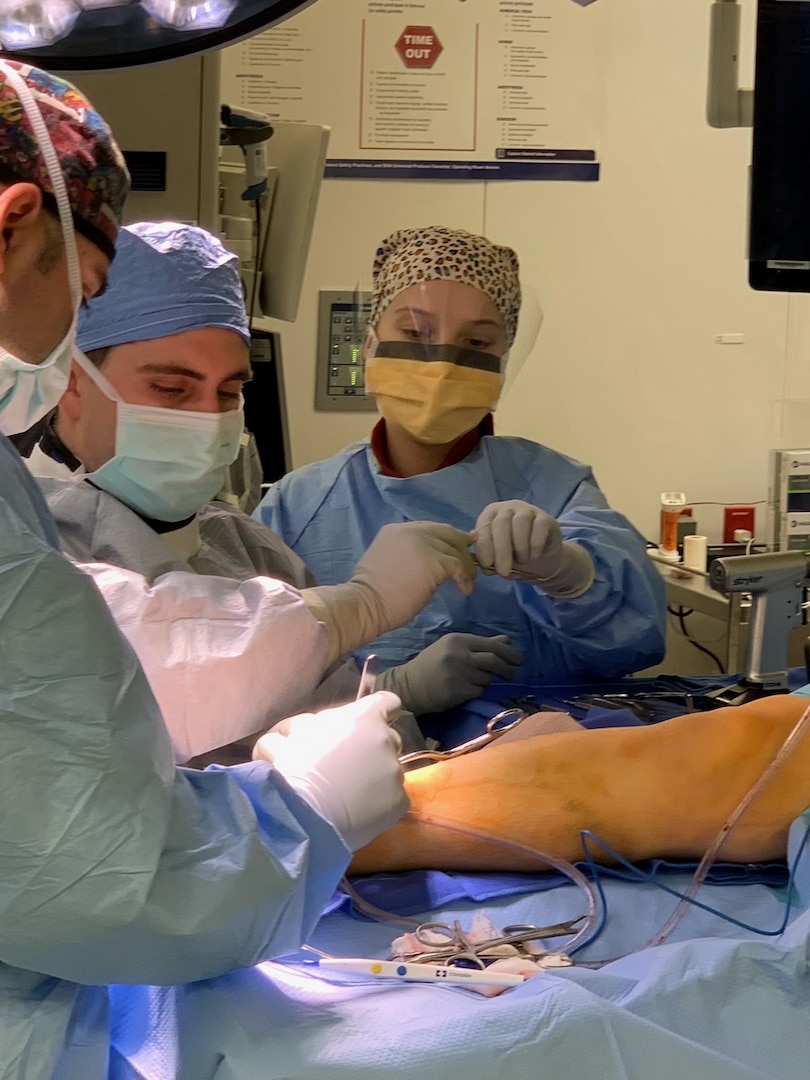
[[265, 409], [779, 244]]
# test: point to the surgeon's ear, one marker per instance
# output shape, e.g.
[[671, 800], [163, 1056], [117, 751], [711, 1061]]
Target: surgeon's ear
[[20, 207], [70, 403], [367, 345]]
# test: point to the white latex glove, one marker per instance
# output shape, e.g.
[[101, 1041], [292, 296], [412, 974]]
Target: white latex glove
[[345, 763], [516, 538], [454, 669], [395, 578]]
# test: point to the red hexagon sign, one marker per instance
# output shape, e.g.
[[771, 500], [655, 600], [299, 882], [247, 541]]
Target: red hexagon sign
[[418, 46]]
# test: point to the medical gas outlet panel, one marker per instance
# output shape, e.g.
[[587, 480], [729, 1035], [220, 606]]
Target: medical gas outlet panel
[[340, 373]]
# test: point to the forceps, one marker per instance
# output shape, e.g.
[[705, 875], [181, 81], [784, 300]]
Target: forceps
[[518, 575], [454, 944], [367, 676], [498, 725]]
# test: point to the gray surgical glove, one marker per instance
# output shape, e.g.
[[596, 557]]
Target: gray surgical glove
[[454, 669], [517, 539]]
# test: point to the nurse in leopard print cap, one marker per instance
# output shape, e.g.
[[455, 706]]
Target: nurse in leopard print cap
[[566, 588], [444, 312]]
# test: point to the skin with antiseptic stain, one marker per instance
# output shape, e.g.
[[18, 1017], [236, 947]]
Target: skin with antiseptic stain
[[660, 791]]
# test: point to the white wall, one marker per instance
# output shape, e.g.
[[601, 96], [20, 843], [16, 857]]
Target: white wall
[[636, 275]]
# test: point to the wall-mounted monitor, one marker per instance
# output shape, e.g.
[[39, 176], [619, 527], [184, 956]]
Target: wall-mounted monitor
[[779, 237]]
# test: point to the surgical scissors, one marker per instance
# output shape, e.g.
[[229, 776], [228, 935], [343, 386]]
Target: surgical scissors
[[496, 726], [459, 946], [453, 944]]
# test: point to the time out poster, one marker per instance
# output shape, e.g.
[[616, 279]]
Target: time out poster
[[436, 89]]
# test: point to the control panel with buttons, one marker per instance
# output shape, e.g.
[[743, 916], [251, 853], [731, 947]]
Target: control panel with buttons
[[342, 331]]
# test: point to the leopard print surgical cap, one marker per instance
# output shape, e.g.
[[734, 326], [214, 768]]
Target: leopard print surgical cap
[[410, 256]]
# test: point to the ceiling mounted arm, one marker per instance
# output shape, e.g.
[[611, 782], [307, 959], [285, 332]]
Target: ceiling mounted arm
[[727, 106]]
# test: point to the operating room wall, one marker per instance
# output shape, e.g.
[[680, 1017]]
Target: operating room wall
[[637, 276]]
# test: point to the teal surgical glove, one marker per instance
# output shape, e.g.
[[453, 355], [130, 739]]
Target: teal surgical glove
[[516, 539], [454, 669]]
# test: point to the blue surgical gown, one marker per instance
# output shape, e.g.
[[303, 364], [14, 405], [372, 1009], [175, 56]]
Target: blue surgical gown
[[114, 866], [329, 513]]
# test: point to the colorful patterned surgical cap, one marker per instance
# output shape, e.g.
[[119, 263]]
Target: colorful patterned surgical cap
[[410, 256], [95, 173]]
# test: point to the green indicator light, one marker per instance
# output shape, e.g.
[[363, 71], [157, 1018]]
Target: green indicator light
[[356, 354], [354, 378]]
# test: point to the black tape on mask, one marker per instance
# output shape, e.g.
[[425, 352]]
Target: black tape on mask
[[449, 354]]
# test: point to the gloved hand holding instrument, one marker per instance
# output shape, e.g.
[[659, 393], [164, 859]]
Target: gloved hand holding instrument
[[395, 578], [345, 763], [517, 540]]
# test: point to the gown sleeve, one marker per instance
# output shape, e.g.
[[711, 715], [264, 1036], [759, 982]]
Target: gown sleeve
[[225, 658], [115, 867]]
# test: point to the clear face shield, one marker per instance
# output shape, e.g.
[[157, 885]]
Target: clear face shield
[[29, 391], [436, 361], [528, 330]]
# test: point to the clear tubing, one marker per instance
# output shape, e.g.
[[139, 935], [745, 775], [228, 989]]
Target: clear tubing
[[562, 865], [786, 749]]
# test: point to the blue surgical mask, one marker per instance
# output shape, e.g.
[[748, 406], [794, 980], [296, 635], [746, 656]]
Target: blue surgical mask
[[168, 463]]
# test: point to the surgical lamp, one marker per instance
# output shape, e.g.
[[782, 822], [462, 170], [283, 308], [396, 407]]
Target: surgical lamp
[[776, 582], [88, 35]]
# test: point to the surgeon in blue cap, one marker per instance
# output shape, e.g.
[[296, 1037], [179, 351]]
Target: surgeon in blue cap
[[227, 621]]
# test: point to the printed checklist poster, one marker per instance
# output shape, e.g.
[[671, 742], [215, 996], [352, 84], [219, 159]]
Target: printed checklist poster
[[437, 89]]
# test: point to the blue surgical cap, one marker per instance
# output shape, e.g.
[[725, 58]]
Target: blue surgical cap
[[166, 278]]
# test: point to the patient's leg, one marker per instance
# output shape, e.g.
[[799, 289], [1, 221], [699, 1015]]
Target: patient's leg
[[664, 790]]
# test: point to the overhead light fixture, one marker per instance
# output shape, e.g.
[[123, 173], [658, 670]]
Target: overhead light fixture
[[90, 5], [27, 24], [99, 35], [190, 14]]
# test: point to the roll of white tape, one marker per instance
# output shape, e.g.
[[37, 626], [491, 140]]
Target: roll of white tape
[[694, 552]]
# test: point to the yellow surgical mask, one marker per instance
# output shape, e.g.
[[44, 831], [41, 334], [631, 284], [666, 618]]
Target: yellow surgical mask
[[432, 391]]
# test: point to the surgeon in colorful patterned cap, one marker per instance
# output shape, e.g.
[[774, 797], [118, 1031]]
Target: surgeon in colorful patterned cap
[[64, 183], [92, 164], [115, 866], [566, 589]]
